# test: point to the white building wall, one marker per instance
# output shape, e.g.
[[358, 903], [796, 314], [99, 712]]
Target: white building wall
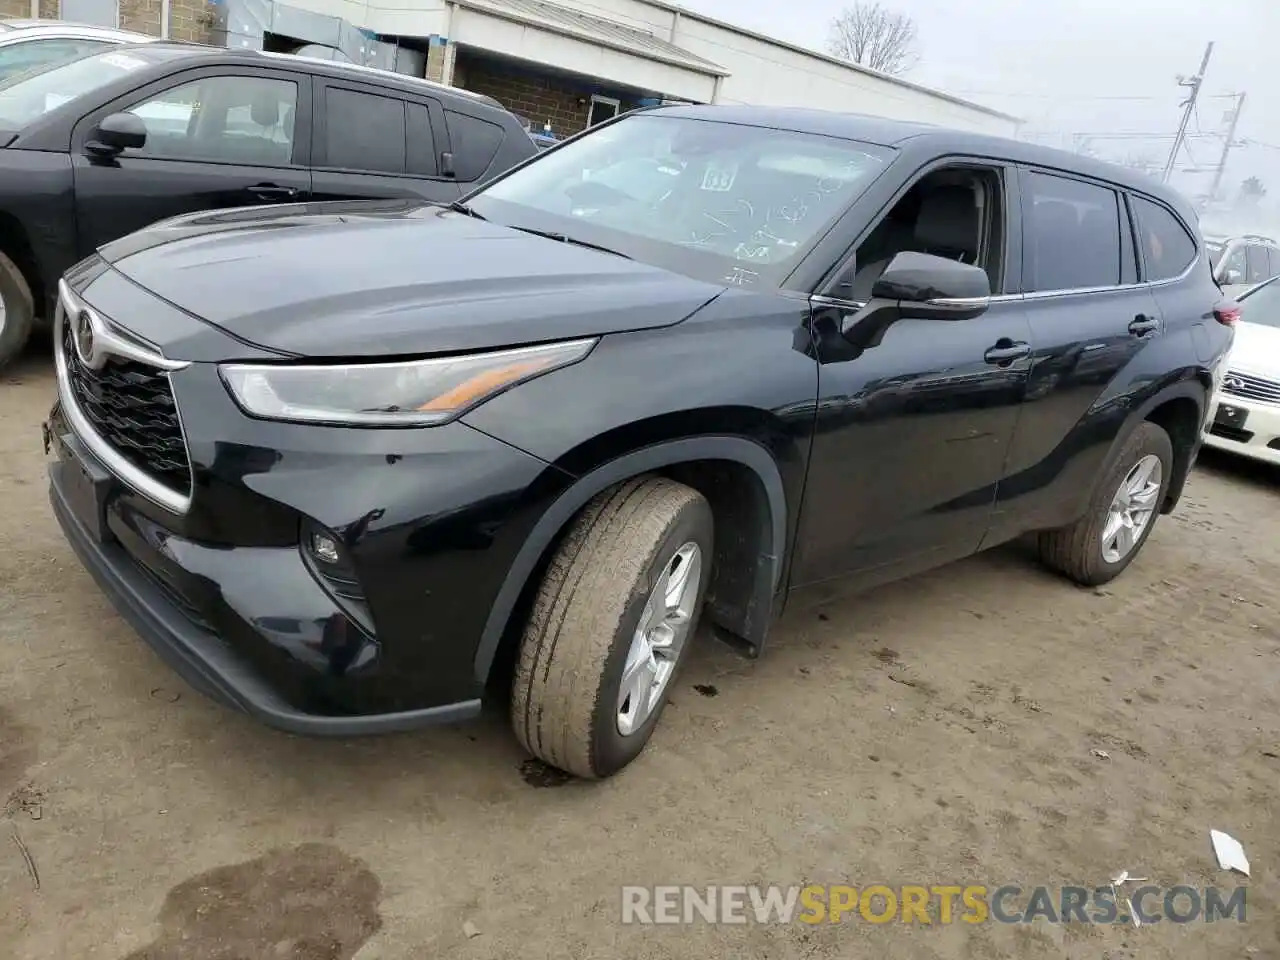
[[592, 60], [765, 74], [762, 72]]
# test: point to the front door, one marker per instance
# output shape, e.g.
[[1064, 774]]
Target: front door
[[912, 433], [215, 139]]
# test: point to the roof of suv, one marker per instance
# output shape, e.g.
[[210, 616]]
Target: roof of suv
[[900, 133], [331, 68]]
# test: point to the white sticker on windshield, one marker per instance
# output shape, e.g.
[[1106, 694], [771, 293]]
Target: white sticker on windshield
[[719, 179], [123, 61], [52, 101]]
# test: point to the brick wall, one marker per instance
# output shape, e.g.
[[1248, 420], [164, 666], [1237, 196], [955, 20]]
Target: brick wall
[[15, 8], [48, 9], [538, 97], [140, 15], [190, 20]]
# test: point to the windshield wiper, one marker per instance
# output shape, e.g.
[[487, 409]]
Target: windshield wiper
[[460, 207], [565, 238]]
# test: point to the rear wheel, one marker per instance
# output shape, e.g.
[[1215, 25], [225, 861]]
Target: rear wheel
[[611, 626], [17, 311], [1121, 514]]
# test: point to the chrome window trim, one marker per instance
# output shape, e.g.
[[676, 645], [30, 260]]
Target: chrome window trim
[[135, 478], [1040, 294]]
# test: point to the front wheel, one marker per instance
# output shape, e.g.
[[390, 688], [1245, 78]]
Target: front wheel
[[17, 311], [1121, 514], [611, 626]]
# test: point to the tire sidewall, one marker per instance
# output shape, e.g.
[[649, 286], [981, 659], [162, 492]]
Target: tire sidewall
[[1149, 442], [611, 751], [19, 311]]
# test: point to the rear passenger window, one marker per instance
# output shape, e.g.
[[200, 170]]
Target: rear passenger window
[[1167, 248], [1073, 234], [474, 143], [1258, 268], [364, 131]]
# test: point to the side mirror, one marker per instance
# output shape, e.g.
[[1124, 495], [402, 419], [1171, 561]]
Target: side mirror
[[918, 286], [447, 168], [934, 288], [117, 132]]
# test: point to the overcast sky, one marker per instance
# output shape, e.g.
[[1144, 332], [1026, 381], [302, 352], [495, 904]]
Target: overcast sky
[[1062, 64]]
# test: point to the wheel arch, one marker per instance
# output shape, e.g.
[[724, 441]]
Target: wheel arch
[[16, 245], [1178, 409], [741, 481]]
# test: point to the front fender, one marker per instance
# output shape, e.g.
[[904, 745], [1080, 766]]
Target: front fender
[[772, 533]]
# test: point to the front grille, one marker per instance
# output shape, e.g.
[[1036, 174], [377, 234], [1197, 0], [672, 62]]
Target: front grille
[[130, 405], [1251, 388]]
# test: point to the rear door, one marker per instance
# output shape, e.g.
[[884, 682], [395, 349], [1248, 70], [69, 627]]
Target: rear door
[[1090, 316], [1257, 264], [374, 142], [217, 137]]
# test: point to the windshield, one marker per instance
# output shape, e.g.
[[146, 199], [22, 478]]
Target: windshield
[[29, 96], [726, 202], [1262, 305]]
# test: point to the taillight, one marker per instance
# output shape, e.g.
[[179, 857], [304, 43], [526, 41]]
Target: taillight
[[1227, 315]]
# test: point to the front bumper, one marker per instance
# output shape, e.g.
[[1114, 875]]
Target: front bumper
[[200, 656], [224, 588], [1246, 427]]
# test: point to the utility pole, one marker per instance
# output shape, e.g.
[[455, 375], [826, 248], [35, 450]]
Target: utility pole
[[1190, 104], [1226, 148]]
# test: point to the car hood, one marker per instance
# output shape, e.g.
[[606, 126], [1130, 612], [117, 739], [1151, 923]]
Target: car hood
[[1256, 350], [355, 279]]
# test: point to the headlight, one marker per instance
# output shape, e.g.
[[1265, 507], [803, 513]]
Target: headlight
[[411, 393]]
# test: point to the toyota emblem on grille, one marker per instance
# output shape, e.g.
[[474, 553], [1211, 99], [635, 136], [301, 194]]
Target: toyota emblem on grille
[[85, 341], [1233, 383]]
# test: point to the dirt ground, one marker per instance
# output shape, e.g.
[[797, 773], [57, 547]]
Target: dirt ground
[[938, 731]]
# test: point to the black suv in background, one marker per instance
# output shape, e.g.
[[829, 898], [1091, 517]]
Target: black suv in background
[[100, 146], [342, 467]]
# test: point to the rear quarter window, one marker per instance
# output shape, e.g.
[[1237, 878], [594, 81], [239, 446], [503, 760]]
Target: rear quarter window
[[474, 143], [1167, 247]]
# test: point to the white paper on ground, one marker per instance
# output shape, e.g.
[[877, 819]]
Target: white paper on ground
[[1229, 852]]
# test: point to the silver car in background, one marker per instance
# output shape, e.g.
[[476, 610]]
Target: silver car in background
[[29, 44]]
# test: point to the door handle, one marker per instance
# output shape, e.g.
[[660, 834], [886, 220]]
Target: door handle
[[1142, 325], [1006, 351], [272, 191]]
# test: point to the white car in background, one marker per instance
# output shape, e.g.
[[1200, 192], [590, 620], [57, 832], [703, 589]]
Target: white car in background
[[1245, 415], [28, 44], [1242, 262]]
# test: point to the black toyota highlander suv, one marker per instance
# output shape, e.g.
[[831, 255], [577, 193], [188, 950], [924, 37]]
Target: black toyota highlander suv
[[347, 467], [96, 147]]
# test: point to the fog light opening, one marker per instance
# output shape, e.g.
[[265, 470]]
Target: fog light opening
[[324, 548]]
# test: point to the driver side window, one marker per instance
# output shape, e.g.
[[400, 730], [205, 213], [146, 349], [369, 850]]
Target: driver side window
[[243, 120], [954, 212]]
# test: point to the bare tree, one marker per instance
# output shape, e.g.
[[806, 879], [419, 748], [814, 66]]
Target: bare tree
[[873, 36]]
